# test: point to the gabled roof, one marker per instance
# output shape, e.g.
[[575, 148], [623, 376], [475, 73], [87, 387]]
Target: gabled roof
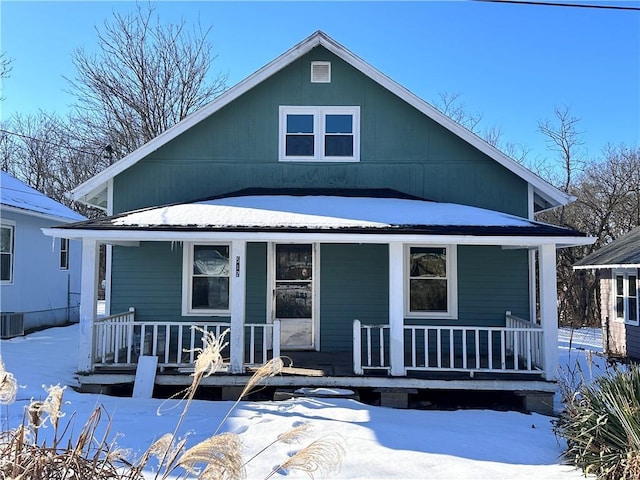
[[623, 252], [546, 195], [19, 197]]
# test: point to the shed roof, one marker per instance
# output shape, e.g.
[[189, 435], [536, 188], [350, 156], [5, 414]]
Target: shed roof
[[17, 196], [93, 191], [624, 251], [326, 210]]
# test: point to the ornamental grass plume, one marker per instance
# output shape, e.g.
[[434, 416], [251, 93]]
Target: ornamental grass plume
[[322, 456], [8, 386], [216, 458]]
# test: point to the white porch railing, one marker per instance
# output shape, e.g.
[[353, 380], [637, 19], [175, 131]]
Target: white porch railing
[[370, 347], [119, 341], [515, 348]]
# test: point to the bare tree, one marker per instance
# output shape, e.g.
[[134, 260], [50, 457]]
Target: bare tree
[[5, 69], [146, 77], [452, 105]]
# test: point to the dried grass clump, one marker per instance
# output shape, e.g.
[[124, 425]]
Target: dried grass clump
[[601, 424], [91, 456]]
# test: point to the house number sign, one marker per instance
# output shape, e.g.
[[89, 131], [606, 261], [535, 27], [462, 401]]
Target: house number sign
[[237, 265]]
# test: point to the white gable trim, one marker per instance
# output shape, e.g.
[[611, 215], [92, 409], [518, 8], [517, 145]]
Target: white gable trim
[[96, 183]]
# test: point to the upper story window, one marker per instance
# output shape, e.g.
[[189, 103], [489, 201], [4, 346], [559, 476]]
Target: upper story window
[[64, 254], [328, 134], [6, 252], [431, 281], [626, 303]]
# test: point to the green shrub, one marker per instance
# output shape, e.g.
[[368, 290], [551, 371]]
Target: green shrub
[[601, 424]]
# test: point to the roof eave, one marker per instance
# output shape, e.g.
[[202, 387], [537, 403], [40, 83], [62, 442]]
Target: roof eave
[[46, 216]]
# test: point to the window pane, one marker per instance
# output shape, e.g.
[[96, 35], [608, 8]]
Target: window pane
[[338, 146], [293, 300], [619, 285], [429, 295], [5, 239], [633, 310], [338, 124], [428, 262], [212, 260], [299, 123], [5, 267], [633, 288], [294, 262], [210, 293], [620, 307], [299, 146]]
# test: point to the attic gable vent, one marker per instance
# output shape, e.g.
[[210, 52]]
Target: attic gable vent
[[320, 72]]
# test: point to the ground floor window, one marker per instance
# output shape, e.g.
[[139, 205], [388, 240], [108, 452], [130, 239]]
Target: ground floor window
[[431, 287], [6, 252], [206, 279], [626, 295]]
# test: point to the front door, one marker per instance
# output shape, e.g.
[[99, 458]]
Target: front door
[[294, 295]]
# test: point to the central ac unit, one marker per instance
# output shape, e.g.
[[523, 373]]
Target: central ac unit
[[11, 325]]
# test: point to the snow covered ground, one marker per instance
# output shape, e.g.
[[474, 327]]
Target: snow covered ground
[[381, 443]]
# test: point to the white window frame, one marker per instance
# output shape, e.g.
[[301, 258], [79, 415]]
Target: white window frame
[[451, 253], [625, 273], [64, 254], [187, 281], [12, 227], [319, 114]]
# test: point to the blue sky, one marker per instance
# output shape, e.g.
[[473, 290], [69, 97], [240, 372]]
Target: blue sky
[[512, 63]]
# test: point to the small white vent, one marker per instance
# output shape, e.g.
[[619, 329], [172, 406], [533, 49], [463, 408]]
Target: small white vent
[[320, 72], [11, 325]]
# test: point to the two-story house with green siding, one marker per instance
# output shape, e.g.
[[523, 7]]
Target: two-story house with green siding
[[320, 211]]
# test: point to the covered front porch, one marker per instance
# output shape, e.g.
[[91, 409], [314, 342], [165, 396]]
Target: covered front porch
[[377, 289]]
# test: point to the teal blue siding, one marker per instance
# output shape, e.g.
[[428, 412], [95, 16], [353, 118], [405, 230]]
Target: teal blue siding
[[490, 282], [237, 147], [354, 284], [149, 278]]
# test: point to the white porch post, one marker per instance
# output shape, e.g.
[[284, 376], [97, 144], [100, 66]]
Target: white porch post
[[549, 308], [237, 258], [396, 309], [88, 300]]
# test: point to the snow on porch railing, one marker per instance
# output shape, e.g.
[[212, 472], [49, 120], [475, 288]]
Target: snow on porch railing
[[370, 347]]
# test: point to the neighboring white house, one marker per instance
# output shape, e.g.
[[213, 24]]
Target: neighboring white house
[[39, 276]]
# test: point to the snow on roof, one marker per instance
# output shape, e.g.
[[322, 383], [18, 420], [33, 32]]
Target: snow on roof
[[318, 213], [17, 194]]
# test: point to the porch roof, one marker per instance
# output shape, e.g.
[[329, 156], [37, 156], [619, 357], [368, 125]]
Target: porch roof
[[324, 211]]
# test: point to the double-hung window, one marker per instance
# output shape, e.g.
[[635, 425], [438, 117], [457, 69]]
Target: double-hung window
[[330, 134], [64, 254], [626, 293], [206, 279], [431, 281], [7, 244]]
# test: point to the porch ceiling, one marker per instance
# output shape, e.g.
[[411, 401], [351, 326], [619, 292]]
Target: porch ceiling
[[325, 213]]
